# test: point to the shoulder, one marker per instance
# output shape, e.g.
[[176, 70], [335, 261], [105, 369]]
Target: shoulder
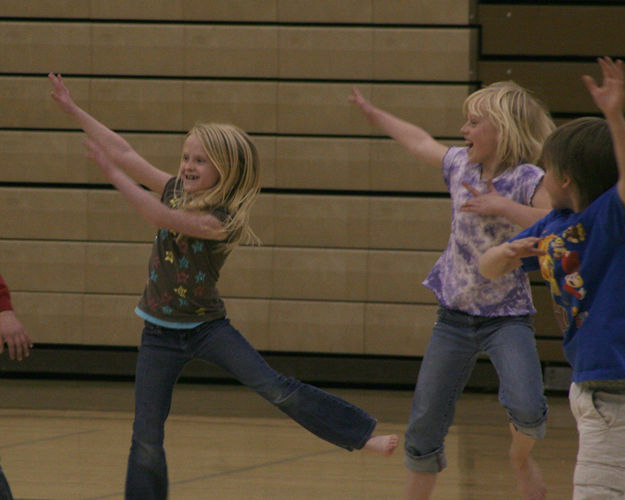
[[609, 197], [528, 172], [455, 160], [521, 182], [607, 209], [455, 155]]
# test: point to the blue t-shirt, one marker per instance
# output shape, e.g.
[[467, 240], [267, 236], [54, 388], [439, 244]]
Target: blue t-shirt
[[585, 268]]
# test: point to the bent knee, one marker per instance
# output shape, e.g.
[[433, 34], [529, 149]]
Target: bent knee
[[528, 418], [280, 391]]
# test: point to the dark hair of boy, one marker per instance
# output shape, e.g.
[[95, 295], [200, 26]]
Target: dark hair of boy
[[582, 150]]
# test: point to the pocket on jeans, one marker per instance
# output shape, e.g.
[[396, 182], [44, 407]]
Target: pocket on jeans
[[575, 401], [608, 405]]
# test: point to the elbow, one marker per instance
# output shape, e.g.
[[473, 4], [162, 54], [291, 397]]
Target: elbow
[[213, 230], [486, 272]]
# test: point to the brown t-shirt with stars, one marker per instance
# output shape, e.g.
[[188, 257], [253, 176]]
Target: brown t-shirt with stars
[[183, 273]]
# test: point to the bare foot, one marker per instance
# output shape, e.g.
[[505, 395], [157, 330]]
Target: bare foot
[[530, 480], [382, 445]]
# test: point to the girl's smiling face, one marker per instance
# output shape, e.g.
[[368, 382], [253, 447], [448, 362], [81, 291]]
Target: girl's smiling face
[[197, 171], [481, 138]]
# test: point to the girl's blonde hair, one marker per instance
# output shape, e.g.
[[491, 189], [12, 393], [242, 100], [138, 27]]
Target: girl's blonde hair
[[522, 121], [235, 157]]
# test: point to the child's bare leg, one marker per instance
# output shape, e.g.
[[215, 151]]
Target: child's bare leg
[[529, 478], [382, 445], [419, 485]]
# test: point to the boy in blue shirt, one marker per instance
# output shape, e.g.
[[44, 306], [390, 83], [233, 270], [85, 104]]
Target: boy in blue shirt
[[579, 248]]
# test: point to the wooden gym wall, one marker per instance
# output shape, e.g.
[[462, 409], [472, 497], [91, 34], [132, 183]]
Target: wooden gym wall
[[351, 224]]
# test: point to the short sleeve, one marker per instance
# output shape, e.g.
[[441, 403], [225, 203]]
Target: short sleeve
[[454, 157], [531, 179]]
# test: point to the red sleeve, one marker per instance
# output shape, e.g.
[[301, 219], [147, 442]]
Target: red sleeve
[[5, 296]]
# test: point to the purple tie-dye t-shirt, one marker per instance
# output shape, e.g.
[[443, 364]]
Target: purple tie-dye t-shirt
[[455, 279]]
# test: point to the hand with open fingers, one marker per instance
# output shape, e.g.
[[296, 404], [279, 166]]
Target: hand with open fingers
[[608, 96], [61, 93], [357, 98], [14, 335], [524, 247], [490, 203]]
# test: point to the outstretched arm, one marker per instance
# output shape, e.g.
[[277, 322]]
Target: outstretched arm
[[416, 140], [492, 203], [195, 224], [609, 99], [503, 258], [115, 146]]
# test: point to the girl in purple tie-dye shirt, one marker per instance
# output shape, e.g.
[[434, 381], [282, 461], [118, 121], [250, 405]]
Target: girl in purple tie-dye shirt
[[494, 190]]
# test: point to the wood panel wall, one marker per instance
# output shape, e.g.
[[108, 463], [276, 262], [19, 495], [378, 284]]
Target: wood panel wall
[[547, 45], [351, 224]]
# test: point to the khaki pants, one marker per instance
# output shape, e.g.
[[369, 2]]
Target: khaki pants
[[600, 467]]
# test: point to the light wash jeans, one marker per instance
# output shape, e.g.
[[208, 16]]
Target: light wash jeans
[[457, 339], [600, 467], [5, 491], [162, 356]]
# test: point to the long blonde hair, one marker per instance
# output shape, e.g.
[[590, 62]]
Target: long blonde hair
[[235, 157], [522, 121]]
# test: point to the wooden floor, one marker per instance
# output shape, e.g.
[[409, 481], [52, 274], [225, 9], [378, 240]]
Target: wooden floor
[[64, 440]]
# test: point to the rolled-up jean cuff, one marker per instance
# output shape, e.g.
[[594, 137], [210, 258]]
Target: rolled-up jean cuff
[[536, 432], [366, 437], [434, 462]]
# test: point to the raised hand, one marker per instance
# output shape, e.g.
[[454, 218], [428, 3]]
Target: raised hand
[[608, 96], [490, 203], [61, 93], [365, 106]]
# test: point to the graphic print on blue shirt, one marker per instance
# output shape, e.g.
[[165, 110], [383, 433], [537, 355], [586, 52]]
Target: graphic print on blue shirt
[[585, 269]]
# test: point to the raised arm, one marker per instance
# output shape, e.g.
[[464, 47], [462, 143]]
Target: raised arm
[[115, 145], [416, 140], [195, 224], [609, 99], [503, 258]]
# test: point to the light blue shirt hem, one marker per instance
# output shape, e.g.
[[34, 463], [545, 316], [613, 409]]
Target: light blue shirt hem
[[166, 324]]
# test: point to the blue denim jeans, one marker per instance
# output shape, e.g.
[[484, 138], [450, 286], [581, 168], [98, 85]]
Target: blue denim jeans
[[457, 340], [162, 356], [5, 491]]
